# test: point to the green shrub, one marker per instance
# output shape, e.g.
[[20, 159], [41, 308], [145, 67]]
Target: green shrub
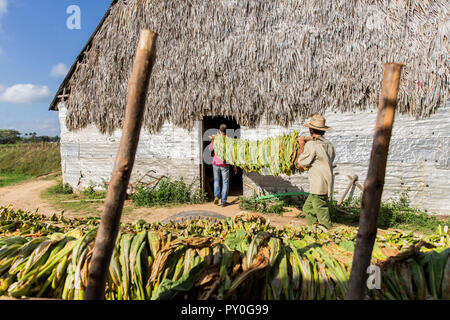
[[61, 188], [94, 192], [394, 213], [168, 192]]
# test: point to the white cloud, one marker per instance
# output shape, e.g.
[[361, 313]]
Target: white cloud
[[3, 7], [3, 10], [59, 70], [25, 93]]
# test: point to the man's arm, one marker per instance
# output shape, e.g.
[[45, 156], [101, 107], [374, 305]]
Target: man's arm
[[301, 143], [211, 145], [306, 155], [297, 165]]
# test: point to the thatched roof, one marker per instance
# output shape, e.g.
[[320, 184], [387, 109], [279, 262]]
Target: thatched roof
[[253, 59]]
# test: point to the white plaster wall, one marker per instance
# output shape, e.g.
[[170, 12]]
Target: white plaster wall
[[88, 156], [419, 157]]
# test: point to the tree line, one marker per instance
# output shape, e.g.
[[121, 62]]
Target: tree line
[[14, 136]]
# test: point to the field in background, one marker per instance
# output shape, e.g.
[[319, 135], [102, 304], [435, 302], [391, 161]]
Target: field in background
[[20, 162], [7, 179]]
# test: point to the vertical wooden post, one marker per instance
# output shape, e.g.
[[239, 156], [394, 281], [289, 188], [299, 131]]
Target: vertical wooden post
[[373, 186], [123, 166], [202, 160]]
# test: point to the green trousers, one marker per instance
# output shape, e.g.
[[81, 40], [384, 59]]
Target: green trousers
[[316, 210]]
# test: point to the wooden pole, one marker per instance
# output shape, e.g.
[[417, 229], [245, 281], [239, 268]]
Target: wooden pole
[[373, 186], [115, 197]]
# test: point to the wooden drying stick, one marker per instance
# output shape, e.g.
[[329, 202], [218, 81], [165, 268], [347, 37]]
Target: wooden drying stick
[[352, 182], [123, 166], [373, 186]]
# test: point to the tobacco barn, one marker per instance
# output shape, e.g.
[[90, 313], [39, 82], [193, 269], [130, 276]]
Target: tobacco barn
[[264, 67]]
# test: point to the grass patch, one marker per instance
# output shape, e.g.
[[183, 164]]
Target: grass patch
[[264, 206], [395, 213], [276, 205], [60, 193], [94, 193], [79, 202], [31, 159], [60, 188], [23, 161], [8, 179], [168, 192]]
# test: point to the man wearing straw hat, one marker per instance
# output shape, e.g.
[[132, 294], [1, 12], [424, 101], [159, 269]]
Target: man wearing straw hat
[[317, 156]]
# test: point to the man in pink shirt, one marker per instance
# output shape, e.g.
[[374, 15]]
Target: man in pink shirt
[[220, 167]]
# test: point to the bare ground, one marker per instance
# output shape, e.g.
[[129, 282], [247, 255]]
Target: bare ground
[[26, 196]]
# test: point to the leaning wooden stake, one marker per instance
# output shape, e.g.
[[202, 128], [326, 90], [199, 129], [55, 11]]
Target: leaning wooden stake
[[351, 183], [373, 186], [115, 197], [356, 182]]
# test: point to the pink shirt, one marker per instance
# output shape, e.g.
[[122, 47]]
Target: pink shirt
[[216, 161]]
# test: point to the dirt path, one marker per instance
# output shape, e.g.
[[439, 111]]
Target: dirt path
[[159, 214], [26, 196]]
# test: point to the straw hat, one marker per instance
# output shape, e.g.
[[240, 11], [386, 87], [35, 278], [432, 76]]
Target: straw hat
[[317, 122]]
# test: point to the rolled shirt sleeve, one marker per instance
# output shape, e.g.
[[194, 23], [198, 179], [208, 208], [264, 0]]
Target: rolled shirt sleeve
[[308, 156]]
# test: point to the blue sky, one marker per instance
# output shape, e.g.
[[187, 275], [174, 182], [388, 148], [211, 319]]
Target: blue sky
[[36, 50]]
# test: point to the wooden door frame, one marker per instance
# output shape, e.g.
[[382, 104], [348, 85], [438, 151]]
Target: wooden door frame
[[202, 162], [202, 166]]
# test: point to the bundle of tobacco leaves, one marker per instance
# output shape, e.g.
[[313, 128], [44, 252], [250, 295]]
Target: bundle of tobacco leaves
[[273, 156], [238, 258]]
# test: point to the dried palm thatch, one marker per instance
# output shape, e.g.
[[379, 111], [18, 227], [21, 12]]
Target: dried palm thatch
[[261, 59]]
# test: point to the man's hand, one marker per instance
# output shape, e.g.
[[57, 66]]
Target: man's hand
[[297, 165], [301, 142], [211, 138], [301, 147], [235, 170]]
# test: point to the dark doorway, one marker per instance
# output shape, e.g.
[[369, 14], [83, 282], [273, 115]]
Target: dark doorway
[[210, 127]]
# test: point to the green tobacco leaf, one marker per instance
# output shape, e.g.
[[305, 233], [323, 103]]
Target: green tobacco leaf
[[237, 241], [347, 245], [168, 289]]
